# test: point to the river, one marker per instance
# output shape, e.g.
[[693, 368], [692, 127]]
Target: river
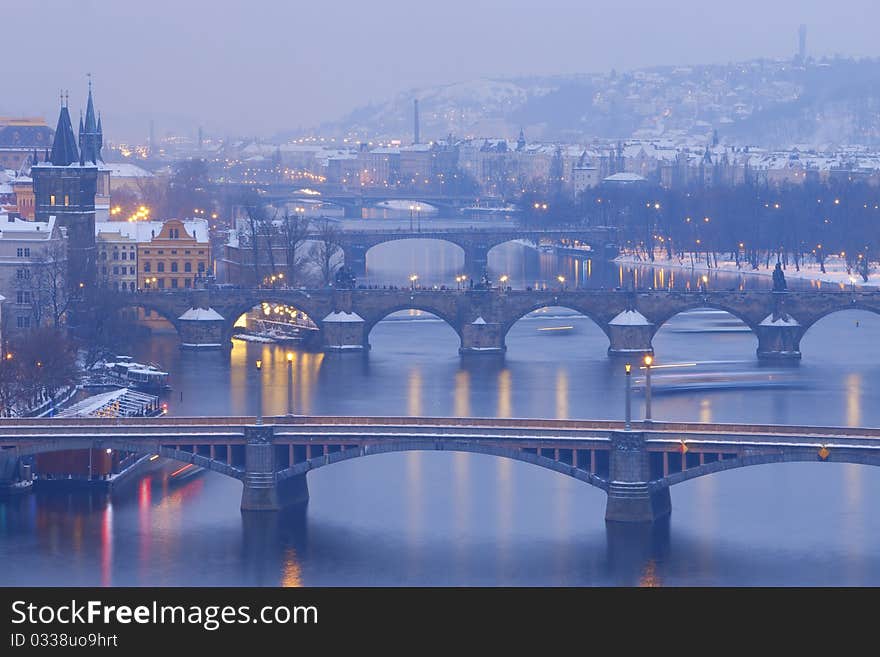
[[464, 519]]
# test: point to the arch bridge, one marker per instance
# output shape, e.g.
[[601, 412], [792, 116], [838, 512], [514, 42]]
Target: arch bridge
[[482, 318], [635, 467]]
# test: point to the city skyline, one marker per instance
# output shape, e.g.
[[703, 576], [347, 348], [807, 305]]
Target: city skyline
[[199, 50]]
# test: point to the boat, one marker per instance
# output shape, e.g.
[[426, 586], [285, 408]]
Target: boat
[[147, 377], [277, 324], [715, 380], [490, 209]]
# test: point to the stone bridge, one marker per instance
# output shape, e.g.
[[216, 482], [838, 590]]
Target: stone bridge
[[476, 243], [482, 318], [635, 467]]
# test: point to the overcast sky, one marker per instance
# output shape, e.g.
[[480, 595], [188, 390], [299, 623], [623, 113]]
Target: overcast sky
[[260, 66]]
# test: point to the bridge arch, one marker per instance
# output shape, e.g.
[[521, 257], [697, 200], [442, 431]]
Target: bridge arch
[[805, 456], [235, 312], [443, 314], [112, 322], [578, 308], [700, 304], [359, 254], [856, 304], [444, 446], [182, 456]]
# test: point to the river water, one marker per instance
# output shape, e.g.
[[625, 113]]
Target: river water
[[464, 519]]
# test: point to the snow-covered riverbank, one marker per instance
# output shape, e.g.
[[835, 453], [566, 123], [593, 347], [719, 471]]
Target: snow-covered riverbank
[[835, 268]]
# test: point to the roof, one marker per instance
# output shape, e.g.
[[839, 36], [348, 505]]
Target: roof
[[201, 315], [624, 176], [125, 170], [145, 231], [343, 317], [21, 229]]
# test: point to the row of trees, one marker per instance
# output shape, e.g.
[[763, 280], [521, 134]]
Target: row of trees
[[752, 224], [287, 243], [35, 365]]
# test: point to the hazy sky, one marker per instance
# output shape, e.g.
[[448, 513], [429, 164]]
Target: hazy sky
[[260, 66]]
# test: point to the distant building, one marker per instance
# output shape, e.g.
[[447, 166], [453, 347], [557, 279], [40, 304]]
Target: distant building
[[117, 255], [177, 254], [584, 178], [19, 138], [26, 249]]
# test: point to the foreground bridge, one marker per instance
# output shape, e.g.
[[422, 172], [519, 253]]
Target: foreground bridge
[[634, 467], [476, 243], [482, 318]]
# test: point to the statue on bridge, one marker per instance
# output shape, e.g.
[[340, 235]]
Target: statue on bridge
[[345, 278], [778, 278]]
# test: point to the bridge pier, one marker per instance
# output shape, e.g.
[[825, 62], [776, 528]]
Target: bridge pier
[[482, 337], [630, 498], [262, 491], [779, 338], [630, 334], [201, 328], [344, 331]]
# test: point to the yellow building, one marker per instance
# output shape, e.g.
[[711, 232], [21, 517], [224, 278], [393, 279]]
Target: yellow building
[[175, 255]]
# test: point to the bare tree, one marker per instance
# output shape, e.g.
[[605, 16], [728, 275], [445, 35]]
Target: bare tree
[[326, 246], [294, 231], [44, 286]]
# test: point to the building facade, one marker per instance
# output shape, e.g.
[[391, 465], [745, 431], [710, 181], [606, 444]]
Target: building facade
[[177, 254]]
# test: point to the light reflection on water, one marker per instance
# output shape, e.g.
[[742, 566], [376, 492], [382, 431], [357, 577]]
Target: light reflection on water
[[443, 518]]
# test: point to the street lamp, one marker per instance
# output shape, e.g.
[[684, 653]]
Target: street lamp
[[412, 281], [504, 278], [419, 215], [290, 383], [628, 416], [561, 280], [649, 359], [412, 210], [259, 391], [852, 285]]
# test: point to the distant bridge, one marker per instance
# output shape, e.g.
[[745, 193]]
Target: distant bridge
[[635, 468], [482, 318], [475, 242]]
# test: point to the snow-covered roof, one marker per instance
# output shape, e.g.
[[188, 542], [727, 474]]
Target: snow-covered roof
[[145, 231], [624, 176], [124, 170], [479, 320], [343, 317], [781, 320], [201, 315], [11, 228], [630, 318]]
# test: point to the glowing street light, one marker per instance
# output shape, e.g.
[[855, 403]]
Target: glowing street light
[[412, 281], [259, 365], [290, 383], [561, 279], [628, 416], [649, 359]]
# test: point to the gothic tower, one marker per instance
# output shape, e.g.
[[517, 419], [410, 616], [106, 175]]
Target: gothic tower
[[64, 187]]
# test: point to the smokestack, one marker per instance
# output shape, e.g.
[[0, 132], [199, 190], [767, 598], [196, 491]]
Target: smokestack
[[802, 42], [416, 121], [152, 137]]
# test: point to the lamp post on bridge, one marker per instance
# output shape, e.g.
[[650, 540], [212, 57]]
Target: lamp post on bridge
[[649, 359], [259, 392], [628, 416], [290, 383]]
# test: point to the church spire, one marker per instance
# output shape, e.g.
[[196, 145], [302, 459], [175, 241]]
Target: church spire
[[90, 140], [64, 151]]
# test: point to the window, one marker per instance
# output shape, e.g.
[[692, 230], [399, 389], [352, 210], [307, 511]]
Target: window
[[162, 283], [66, 199], [131, 286], [23, 252], [51, 199], [161, 252], [174, 282], [124, 255], [103, 255], [187, 266], [187, 282], [116, 271], [104, 271], [131, 270], [201, 253], [173, 251], [22, 296], [147, 266], [23, 322], [174, 267], [186, 252], [160, 266], [116, 255], [146, 252]]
